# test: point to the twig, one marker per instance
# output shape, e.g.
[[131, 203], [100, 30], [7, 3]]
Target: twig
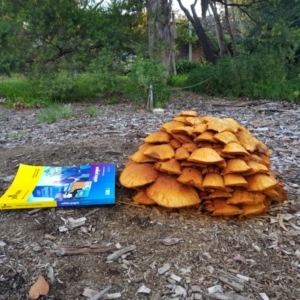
[[120, 252], [101, 293]]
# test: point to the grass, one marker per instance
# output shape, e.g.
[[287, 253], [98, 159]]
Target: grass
[[55, 112], [18, 89], [14, 134], [93, 111]]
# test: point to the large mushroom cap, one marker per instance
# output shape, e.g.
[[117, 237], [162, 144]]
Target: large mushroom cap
[[158, 137], [183, 130], [256, 167], [235, 180], [260, 182], [277, 193], [191, 176], [161, 152], [222, 209], [226, 137], [235, 148], [171, 166], [236, 165], [136, 175], [191, 147], [206, 136], [189, 113], [206, 156], [171, 125], [199, 128], [246, 139], [213, 181], [245, 197], [175, 143], [221, 125], [254, 209], [182, 154], [168, 192], [140, 157]]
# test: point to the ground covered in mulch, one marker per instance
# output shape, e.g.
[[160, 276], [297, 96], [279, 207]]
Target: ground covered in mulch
[[175, 254]]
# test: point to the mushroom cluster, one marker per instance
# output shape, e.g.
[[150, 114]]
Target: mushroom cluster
[[214, 163]]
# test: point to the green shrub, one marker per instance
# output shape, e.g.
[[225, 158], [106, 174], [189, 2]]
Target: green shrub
[[178, 80], [257, 76], [185, 66], [142, 74], [55, 112]]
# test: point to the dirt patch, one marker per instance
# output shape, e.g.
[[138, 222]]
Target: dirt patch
[[260, 255]]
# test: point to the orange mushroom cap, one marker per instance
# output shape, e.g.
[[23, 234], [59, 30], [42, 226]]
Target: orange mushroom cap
[[205, 156], [206, 136], [158, 137], [222, 209], [189, 113], [260, 182], [161, 152], [182, 153], [235, 180], [191, 176], [141, 197], [136, 175], [253, 209], [244, 197], [235, 148], [221, 125], [168, 192], [236, 165], [226, 137], [171, 166]]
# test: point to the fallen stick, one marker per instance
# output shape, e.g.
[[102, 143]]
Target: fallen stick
[[100, 294], [73, 250], [120, 252]]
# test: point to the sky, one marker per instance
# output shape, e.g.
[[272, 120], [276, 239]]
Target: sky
[[187, 4]]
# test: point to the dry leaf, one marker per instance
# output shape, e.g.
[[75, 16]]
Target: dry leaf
[[40, 287]]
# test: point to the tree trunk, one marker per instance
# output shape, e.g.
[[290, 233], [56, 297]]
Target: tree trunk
[[195, 21], [160, 32], [219, 31], [230, 28]]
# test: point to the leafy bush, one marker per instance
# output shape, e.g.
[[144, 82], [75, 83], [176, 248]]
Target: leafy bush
[[257, 76], [186, 66]]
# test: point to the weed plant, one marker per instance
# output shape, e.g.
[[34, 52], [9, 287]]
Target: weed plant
[[55, 112]]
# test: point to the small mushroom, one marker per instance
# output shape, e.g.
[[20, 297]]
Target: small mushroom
[[141, 197]]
